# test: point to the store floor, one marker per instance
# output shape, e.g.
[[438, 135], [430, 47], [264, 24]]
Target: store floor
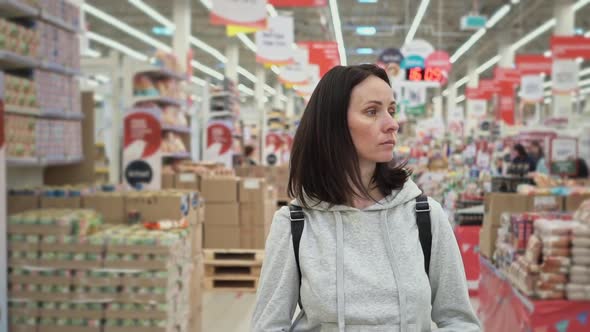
[[231, 312]]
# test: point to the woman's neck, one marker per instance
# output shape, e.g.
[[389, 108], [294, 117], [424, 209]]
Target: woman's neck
[[367, 170]]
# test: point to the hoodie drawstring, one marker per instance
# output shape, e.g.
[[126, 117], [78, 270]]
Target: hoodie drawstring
[[340, 270], [394, 268]]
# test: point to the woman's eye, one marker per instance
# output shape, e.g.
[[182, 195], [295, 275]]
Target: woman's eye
[[392, 112], [372, 112]]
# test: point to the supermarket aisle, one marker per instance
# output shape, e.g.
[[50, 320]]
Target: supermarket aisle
[[231, 312]]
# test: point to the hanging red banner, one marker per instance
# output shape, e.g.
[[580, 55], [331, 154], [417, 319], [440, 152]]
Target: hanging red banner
[[475, 93], [298, 3], [324, 54], [507, 103], [570, 47], [489, 87], [533, 64], [507, 75]]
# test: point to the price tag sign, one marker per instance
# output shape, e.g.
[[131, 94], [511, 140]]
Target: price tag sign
[[564, 152]]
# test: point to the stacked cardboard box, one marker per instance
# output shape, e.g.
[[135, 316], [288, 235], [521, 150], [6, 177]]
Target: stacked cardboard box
[[257, 207], [277, 177], [222, 214]]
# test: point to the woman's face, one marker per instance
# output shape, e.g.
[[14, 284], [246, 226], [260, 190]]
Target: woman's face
[[371, 120]]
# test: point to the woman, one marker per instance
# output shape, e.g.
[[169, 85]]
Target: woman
[[360, 257], [521, 162]]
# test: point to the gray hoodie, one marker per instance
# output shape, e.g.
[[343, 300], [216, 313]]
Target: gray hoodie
[[363, 270]]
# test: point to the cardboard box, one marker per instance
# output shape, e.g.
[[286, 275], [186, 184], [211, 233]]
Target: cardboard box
[[253, 190], [546, 203], [153, 206], [195, 295], [61, 202], [256, 214], [227, 214], [487, 240], [573, 202], [110, 205], [220, 189], [252, 238], [222, 237], [196, 238], [22, 203], [497, 203], [168, 181], [188, 181]]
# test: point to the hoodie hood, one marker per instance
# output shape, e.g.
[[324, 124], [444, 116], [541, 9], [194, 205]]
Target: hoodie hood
[[398, 197]]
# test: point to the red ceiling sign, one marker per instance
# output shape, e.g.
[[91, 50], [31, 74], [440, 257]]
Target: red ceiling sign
[[324, 54], [570, 47], [298, 3], [486, 89], [507, 75], [475, 93], [507, 103], [533, 64]]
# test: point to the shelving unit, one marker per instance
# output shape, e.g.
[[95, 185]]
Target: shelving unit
[[16, 8], [159, 100]]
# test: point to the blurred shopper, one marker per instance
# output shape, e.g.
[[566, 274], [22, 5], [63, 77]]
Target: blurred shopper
[[581, 169], [521, 163], [361, 261], [249, 155], [536, 154]]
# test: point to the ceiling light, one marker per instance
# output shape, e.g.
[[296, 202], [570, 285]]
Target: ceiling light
[[488, 64], [207, 70], [459, 99], [498, 15], [364, 50], [515, 2], [275, 69], [534, 34], [366, 30], [445, 92], [245, 89], [270, 90], [205, 47], [248, 42], [417, 20], [581, 3], [153, 13], [467, 45], [251, 77], [92, 53], [367, 1], [162, 31], [338, 30], [283, 98], [547, 54], [116, 46], [271, 10]]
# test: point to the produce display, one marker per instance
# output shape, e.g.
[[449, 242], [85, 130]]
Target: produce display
[[20, 92], [21, 136], [18, 39]]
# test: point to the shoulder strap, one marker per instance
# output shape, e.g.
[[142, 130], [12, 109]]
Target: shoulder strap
[[424, 229], [297, 224]]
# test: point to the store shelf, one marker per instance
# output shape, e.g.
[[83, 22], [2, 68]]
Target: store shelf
[[162, 73], [22, 161], [60, 161], [221, 114], [16, 8], [59, 69], [159, 100], [19, 110], [60, 114], [176, 129], [177, 155], [58, 22], [10, 60]]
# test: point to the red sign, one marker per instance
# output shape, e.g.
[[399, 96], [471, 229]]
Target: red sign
[[298, 3], [275, 141], [507, 75], [475, 93], [468, 241], [570, 47], [489, 87], [507, 104], [143, 126], [418, 74], [439, 59], [324, 54], [533, 64], [219, 133]]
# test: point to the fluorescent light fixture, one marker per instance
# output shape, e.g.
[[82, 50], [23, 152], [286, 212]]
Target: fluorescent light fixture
[[162, 31], [338, 30], [367, 1], [251, 77], [102, 78], [207, 70], [547, 84], [205, 47], [417, 19], [275, 69], [498, 15], [547, 93], [488, 64], [271, 10], [126, 28], [534, 34], [445, 92], [515, 2], [283, 98], [467, 45], [579, 59], [364, 50], [248, 42], [547, 101], [270, 89], [366, 30], [153, 13], [584, 82], [207, 3], [580, 4], [198, 81], [245, 89], [585, 72], [461, 82], [116, 46], [547, 54], [459, 99], [92, 53]]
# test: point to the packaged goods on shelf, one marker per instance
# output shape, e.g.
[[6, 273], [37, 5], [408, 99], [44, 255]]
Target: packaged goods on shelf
[[58, 46], [144, 85], [58, 93], [583, 213], [59, 138], [21, 136], [174, 116], [20, 92], [173, 143], [18, 39], [168, 61], [62, 10]]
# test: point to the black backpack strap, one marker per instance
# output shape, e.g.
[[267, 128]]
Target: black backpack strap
[[424, 229], [297, 224]]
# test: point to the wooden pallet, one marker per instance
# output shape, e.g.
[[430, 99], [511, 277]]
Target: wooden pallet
[[244, 255], [232, 267], [235, 283]]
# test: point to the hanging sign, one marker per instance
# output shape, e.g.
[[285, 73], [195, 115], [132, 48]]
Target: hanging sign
[[324, 54], [477, 108], [415, 100], [570, 47], [413, 61], [313, 77], [475, 94], [441, 61], [142, 156], [274, 45], [506, 104], [297, 72], [533, 64], [417, 47], [531, 88], [390, 60], [563, 155], [220, 142], [507, 75], [455, 119], [565, 76], [298, 3], [246, 13]]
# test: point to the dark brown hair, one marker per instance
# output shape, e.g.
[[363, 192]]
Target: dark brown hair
[[324, 164]]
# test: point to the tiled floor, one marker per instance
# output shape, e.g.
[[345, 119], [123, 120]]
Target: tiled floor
[[231, 312]]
